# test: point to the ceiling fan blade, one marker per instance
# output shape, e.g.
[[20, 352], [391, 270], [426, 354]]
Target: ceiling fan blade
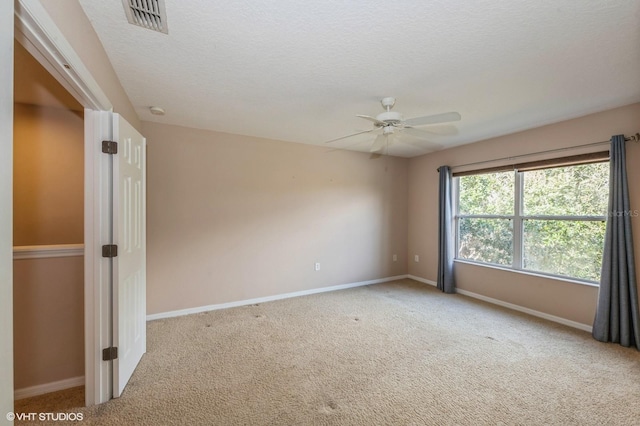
[[438, 129], [417, 133], [373, 119], [433, 119], [390, 139], [378, 144], [348, 136]]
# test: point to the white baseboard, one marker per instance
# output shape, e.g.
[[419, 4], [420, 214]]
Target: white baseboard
[[422, 280], [533, 312], [508, 305], [48, 387], [208, 308]]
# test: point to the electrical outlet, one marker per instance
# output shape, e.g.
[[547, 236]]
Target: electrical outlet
[[416, 258], [317, 266], [395, 257]]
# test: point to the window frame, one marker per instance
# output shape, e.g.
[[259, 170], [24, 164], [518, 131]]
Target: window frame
[[517, 222]]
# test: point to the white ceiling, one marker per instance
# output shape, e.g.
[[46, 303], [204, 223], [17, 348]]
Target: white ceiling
[[300, 71]]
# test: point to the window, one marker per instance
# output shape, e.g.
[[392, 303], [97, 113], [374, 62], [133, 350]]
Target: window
[[548, 220]]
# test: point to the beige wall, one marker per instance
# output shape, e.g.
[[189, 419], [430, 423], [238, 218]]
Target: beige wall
[[6, 210], [48, 320], [33, 85], [572, 301], [76, 28], [48, 176], [48, 210], [232, 218]]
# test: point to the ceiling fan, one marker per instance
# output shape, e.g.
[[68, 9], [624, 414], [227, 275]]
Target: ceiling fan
[[389, 124]]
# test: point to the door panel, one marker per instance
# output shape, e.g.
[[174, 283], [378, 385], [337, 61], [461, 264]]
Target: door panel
[[129, 232]]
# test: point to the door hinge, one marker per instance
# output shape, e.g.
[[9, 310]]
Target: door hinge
[[110, 147], [110, 250], [109, 354]]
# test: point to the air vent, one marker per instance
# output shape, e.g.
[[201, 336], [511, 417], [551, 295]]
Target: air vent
[[149, 14]]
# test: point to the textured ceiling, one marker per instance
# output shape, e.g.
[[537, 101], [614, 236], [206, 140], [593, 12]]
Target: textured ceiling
[[300, 71]]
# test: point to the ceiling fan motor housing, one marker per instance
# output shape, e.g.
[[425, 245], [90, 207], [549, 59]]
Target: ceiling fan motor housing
[[390, 118]]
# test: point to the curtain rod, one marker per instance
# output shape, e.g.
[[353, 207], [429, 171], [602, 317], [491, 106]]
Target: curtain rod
[[635, 138]]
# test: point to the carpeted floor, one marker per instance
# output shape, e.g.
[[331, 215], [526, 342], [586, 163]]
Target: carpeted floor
[[399, 353]]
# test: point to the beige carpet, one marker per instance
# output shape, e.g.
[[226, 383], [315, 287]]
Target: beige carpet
[[390, 354]]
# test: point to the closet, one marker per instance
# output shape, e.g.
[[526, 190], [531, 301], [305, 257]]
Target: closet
[[48, 227]]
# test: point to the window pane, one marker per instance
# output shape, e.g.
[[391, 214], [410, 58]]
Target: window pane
[[486, 240], [567, 191], [562, 247], [490, 193]]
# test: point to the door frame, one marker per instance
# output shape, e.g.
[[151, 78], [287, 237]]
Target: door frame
[[38, 33], [6, 211]]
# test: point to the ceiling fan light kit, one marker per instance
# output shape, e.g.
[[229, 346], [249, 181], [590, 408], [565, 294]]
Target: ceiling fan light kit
[[390, 121]]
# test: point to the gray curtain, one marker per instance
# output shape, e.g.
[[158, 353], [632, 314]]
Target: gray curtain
[[617, 312], [446, 244]]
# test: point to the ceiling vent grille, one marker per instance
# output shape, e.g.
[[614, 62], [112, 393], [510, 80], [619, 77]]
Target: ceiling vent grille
[[149, 14]]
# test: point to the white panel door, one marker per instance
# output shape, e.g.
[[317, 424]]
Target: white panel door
[[129, 267]]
